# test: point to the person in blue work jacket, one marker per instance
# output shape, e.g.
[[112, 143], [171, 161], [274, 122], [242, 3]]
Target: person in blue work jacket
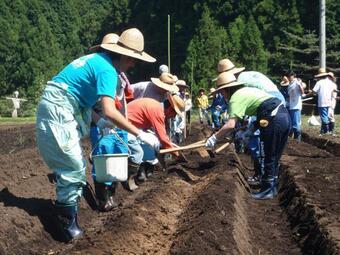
[[65, 112], [217, 108]]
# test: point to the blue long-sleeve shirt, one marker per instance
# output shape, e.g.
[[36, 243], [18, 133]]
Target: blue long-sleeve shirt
[[219, 101]]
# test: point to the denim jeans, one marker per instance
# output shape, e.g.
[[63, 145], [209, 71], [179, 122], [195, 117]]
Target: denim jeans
[[323, 111], [295, 116]]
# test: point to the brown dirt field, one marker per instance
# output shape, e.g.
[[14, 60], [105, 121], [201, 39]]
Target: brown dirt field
[[194, 208]]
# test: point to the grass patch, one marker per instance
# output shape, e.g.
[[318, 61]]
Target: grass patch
[[15, 121], [307, 128]]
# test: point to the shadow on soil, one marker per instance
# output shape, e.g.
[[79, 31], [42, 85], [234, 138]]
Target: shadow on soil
[[42, 208]]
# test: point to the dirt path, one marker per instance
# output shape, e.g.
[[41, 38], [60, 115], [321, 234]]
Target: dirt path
[[195, 208]]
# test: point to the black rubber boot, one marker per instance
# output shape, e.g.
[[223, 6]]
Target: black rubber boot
[[149, 169], [68, 222], [141, 174], [331, 127], [105, 196], [267, 190]]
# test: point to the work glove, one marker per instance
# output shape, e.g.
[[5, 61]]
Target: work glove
[[211, 142], [150, 139], [218, 108], [103, 123]]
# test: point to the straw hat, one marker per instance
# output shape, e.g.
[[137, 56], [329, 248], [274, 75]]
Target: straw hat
[[226, 80], [225, 65], [177, 103], [130, 43], [211, 92], [187, 93], [181, 83], [332, 75], [322, 72], [285, 81], [166, 81], [107, 39]]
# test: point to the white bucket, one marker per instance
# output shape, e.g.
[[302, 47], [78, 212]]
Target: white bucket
[[111, 167]]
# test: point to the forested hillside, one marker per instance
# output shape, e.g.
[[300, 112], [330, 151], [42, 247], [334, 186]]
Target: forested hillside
[[38, 37]]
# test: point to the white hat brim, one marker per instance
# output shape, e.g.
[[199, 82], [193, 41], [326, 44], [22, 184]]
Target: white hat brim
[[171, 88], [322, 74], [128, 52]]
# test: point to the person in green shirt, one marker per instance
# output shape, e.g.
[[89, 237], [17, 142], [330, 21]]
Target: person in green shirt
[[272, 119]]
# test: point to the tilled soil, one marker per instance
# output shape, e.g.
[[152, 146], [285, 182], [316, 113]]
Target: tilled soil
[[196, 208]]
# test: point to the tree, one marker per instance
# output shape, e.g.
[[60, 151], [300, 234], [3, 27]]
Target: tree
[[253, 55], [206, 48]]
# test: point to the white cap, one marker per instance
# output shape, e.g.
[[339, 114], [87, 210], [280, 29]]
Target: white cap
[[163, 69]]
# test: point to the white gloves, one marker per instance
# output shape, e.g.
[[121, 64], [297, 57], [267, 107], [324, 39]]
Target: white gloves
[[103, 123], [218, 108], [150, 139], [211, 142]]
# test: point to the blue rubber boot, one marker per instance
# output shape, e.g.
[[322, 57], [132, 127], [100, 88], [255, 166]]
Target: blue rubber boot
[[67, 218], [267, 190]]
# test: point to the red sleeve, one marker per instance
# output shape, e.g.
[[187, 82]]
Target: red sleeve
[[157, 122]]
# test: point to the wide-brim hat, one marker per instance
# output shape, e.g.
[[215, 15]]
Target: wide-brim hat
[[331, 74], [130, 43], [211, 92], [322, 72], [226, 80], [111, 38], [285, 81], [177, 103], [181, 83], [166, 81], [225, 65]]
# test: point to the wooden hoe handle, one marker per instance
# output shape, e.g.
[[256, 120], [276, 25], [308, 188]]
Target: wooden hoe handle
[[183, 148]]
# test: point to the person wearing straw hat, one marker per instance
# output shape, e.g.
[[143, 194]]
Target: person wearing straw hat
[[250, 78], [147, 113], [333, 105], [114, 140], [324, 89], [64, 116], [257, 80], [157, 88], [272, 119], [178, 122], [284, 89]]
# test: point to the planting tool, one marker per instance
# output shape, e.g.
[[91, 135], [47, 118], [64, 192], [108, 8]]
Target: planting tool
[[183, 148], [182, 157]]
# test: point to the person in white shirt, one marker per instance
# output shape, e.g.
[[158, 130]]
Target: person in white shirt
[[333, 105], [324, 89], [295, 91]]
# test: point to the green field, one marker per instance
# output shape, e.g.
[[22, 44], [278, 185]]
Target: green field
[[14, 121], [306, 127]]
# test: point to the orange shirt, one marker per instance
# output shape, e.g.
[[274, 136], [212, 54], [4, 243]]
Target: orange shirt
[[146, 113]]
